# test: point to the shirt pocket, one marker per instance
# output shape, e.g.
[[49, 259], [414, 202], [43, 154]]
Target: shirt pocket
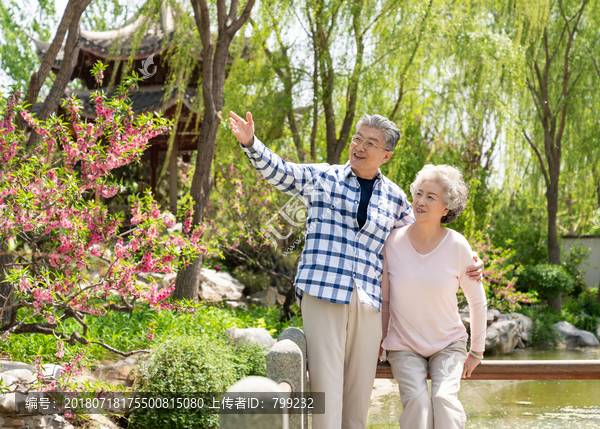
[[385, 219], [320, 207]]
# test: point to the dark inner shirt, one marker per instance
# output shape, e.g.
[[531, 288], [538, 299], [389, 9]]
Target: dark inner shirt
[[366, 189]]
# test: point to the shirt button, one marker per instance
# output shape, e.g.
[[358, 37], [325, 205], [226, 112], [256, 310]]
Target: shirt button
[[355, 202], [332, 207]]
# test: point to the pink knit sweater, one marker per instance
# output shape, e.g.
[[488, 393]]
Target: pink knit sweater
[[419, 292]]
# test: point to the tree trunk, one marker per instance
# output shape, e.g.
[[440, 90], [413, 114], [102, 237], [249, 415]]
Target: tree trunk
[[321, 35], [71, 55], [553, 123], [315, 124], [6, 296], [73, 12], [213, 82], [553, 246], [188, 280]]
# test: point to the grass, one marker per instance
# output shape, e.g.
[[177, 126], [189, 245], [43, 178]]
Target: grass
[[129, 331]]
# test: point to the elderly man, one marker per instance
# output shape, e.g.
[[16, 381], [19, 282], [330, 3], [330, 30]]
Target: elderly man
[[351, 210]]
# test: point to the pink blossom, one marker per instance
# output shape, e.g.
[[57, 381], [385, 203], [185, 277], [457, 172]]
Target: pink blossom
[[169, 219], [147, 263], [60, 352], [120, 250], [24, 285]]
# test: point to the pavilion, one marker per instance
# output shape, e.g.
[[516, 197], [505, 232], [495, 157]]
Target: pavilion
[[114, 48]]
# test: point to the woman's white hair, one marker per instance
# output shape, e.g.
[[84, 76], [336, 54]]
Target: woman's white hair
[[455, 189]]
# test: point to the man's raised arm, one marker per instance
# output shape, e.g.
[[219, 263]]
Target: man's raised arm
[[242, 130], [288, 177]]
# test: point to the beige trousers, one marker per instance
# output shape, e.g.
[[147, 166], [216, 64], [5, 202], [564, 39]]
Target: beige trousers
[[442, 410], [342, 342]]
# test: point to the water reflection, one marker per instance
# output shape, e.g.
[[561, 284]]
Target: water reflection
[[499, 404]]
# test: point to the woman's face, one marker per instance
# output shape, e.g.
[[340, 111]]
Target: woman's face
[[428, 202]]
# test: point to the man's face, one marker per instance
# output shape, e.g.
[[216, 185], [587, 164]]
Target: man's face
[[365, 162]]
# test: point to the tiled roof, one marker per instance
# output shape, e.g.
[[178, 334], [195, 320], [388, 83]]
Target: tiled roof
[[148, 99], [100, 42]]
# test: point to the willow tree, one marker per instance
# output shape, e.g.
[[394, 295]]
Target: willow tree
[[328, 26], [215, 57], [556, 70], [69, 27]]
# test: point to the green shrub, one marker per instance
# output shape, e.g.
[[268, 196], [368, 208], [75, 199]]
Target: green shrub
[[249, 359], [587, 322], [546, 279], [584, 311], [201, 364], [543, 332], [574, 258], [498, 280], [520, 225], [129, 331], [254, 281], [588, 300]]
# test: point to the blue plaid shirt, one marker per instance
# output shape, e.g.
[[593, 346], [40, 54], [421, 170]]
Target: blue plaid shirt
[[337, 253]]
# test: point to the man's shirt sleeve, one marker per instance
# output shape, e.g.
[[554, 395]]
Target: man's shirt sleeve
[[407, 216], [287, 177]]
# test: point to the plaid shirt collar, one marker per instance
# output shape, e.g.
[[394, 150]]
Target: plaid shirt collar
[[349, 173]]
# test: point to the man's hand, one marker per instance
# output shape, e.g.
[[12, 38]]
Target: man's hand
[[242, 130], [476, 271]]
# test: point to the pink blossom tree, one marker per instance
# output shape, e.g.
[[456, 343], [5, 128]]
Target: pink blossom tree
[[53, 230]]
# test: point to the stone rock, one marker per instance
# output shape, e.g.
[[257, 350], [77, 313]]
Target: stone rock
[[162, 280], [15, 378], [491, 339], [9, 365], [101, 422], [247, 387], [237, 304], [52, 370], [525, 325], [574, 337], [267, 297], [60, 422], [178, 227], [507, 334], [492, 316], [120, 372], [166, 280], [503, 316], [219, 286], [50, 421], [257, 335]]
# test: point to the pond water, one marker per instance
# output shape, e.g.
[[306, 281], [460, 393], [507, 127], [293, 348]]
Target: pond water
[[499, 404]]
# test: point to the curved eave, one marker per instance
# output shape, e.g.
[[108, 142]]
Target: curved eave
[[162, 106]]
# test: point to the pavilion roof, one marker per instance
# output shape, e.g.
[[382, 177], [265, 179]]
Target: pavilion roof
[[143, 100], [119, 43]]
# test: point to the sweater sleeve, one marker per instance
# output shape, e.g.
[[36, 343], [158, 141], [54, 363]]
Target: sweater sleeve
[[476, 299], [385, 298]]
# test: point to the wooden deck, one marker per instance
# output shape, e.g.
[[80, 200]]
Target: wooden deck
[[524, 370]]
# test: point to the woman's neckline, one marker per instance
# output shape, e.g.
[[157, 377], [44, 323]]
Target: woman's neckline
[[434, 249]]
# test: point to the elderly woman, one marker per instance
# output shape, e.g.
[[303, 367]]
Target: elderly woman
[[424, 264]]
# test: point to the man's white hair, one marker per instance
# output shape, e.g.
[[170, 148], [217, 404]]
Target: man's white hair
[[381, 123]]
